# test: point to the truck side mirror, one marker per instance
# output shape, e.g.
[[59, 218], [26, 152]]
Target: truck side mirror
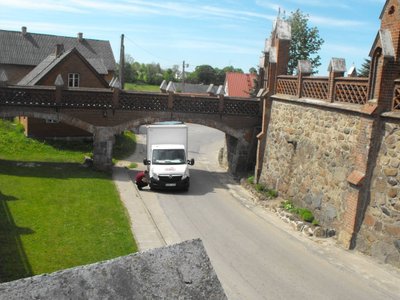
[[146, 161], [191, 162]]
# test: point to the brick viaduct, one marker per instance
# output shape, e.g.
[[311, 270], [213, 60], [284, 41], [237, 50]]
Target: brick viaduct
[[107, 112]]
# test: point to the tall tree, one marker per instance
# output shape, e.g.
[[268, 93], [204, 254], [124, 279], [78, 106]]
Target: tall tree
[[305, 42], [365, 68], [253, 70], [203, 74]]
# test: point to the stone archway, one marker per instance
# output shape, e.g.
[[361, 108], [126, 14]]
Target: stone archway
[[240, 144]]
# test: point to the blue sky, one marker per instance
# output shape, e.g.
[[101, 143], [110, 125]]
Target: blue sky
[[218, 33]]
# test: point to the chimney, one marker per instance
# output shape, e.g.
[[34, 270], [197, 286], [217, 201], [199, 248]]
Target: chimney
[[80, 36], [59, 49], [23, 30]]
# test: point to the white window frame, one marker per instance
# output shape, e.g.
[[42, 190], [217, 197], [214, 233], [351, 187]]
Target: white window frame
[[73, 79]]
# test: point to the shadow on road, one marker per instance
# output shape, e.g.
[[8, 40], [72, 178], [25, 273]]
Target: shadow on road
[[201, 182]]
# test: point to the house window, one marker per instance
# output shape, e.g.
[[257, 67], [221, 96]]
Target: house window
[[73, 80]]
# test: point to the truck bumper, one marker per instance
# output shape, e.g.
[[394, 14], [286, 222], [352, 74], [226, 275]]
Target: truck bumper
[[178, 185]]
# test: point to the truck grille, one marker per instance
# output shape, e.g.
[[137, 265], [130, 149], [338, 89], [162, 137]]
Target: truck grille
[[170, 178]]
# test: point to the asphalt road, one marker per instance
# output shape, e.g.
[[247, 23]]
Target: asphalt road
[[255, 254]]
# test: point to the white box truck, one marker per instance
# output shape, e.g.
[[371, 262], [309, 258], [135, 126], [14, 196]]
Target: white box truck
[[167, 152]]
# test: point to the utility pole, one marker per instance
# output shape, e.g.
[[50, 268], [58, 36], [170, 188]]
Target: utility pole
[[122, 63], [183, 75]]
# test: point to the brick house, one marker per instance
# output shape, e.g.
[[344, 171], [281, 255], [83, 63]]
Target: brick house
[[38, 59]]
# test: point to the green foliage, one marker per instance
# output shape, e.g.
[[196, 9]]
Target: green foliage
[[303, 213], [288, 205], [153, 74], [305, 42], [15, 145], [56, 216], [250, 179], [365, 68], [269, 193], [315, 222], [272, 193], [125, 144], [133, 165], [306, 215], [204, 74], [259, 187], [140, 87]]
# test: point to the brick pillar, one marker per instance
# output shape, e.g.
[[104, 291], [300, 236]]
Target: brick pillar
[[356, 199], [170, 100], [337, 68], [115, 99], [221, 103], [304, 69], [262, 136], [103, 141]]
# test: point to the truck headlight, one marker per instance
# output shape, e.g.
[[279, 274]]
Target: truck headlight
[[186, 174], [155, 176]]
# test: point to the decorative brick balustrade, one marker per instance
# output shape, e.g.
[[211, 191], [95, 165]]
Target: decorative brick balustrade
[[315, 87], [396, 95], [84, 98], [196, 104], [287, 85], [348, 90], [31, 96], [87, 99], [351, 90], [143, 101]]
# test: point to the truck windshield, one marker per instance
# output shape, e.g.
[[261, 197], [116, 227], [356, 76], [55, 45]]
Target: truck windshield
[[169, 156]]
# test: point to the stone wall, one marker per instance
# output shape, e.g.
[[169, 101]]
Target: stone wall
[[380, 232], [308, 156], [181, 271]]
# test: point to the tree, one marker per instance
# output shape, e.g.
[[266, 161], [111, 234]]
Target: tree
[[204, 74], [253, 70], [129, 72], [305, 42], [365, 68]]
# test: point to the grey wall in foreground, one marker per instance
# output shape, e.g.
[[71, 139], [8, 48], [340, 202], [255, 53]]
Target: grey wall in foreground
[[181, 271]]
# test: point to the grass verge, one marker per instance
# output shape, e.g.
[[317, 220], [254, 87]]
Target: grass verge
[[142, 87], [55, 215]]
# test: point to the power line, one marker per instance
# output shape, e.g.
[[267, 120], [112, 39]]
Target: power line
[[152, 54]]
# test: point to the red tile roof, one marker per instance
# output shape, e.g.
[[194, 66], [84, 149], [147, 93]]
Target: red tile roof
[[239, 84]]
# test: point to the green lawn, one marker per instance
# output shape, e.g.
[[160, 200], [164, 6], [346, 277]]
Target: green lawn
[[142, 87], [55, 215]]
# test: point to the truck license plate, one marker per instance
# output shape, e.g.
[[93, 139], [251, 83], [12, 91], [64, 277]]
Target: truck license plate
[[170, 184]]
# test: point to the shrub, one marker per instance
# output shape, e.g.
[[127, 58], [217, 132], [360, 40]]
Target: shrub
[[250, 180], [132, 165], [287, 205], [272, 193], [303, 213], [315, 222], [259, 187], [306, 215]]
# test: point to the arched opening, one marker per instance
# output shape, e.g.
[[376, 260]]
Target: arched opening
[[374, 71], [238, 147]]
